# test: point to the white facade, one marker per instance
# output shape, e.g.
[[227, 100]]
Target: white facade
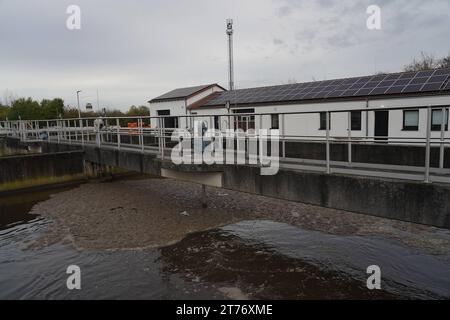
[[308, 125]]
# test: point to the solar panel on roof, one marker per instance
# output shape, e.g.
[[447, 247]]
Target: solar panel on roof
[[363, 92], [426, 73], [419, 80], [386, 83], [434, 86], [442, 72], [349, 93], [409, 75], [410, 82], [394, 89], [379, 90], [412, 88], [439, 78], [394, 76]]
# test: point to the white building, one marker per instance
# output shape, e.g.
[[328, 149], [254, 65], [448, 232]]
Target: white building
[[412, 90], [177, 102]]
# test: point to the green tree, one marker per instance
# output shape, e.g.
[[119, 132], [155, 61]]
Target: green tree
[[4, 110], [138, 111], [26, 109], [51, 109]]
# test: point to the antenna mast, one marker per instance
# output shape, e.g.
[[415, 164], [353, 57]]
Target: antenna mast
[[230, 53]]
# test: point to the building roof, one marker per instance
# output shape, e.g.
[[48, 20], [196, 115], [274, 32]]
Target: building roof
[[375, 86], [183, 93]]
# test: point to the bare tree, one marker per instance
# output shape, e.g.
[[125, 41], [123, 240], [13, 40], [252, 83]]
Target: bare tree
[[425, 62], [445, 62], [9, 97]]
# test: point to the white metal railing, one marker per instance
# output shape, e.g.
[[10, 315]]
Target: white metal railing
[[150, 135]]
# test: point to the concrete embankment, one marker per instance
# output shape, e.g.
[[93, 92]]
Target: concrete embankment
[[25, 171]]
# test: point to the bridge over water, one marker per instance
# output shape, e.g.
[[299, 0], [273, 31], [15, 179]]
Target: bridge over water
[[388, 177]]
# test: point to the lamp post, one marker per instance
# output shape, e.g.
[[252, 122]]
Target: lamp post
[[78, 101]]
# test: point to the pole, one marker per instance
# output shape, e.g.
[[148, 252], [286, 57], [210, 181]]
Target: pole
[[79, 117], [328, 141], [441, 149], [427, 149], [349, 146], [230, 53]]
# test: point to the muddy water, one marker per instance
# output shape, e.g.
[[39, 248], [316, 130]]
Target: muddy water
[[251, 257]]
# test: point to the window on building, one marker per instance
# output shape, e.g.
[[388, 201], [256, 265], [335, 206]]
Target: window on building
[[356, 120], [244, 122], [323, 121], [411, 120], [436, 119], [275, 121], [217, 122], [169, 122]]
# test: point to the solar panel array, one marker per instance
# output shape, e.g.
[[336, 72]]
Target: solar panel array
[[381, 84]]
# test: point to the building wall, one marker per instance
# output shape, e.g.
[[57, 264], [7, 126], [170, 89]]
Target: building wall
[[308, 124], [176, 107]]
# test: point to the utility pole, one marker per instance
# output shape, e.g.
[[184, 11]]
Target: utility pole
[[230, 53]]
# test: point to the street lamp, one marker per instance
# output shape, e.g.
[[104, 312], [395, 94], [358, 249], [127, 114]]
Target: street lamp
[[78, 100]]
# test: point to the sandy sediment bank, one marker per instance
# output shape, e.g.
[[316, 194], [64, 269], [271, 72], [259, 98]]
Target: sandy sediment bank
[[131, 214]]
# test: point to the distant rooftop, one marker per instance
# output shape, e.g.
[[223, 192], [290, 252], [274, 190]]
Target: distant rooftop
[[182, 93], [434, 81]]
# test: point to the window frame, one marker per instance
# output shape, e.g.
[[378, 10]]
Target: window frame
[[411, 128], [324, 127], [437, 127], [276, 117], [358, 126]]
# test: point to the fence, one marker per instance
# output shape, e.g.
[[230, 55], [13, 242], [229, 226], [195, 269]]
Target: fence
[[412, 157]]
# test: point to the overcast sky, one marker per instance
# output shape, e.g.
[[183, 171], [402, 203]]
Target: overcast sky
[[134, 50]]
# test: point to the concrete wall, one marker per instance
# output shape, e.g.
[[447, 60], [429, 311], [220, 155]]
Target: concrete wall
[[26, 167], [407, 201]]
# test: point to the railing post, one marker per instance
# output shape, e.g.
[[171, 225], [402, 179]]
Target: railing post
[[82, 132], [141, 135], [283, 133], [349, 138], [57, 130], [70, 132], [442, 149], [118, 133], [158, 120], [163, 137], [328, 142], [427, 149]]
